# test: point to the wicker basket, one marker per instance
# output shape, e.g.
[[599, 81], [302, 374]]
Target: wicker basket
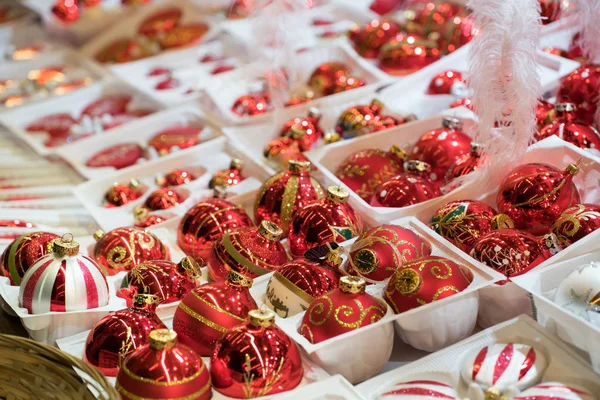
[[31, 370]]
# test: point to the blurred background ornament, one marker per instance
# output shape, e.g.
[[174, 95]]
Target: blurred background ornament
[[228, 177]]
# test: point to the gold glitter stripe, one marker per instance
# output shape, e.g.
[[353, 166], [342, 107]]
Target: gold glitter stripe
[[288, 201], [214, 307], [192, 396], [212, 216], [293, 288], [318, 188], [153, 382], [202, 319], [228, 244], [263, 190]]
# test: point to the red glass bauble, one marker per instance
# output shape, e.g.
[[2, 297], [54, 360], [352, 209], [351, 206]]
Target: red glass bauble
[[406, 54], [581, 87], [256, 359], [206, 223], [330, 219], [177, 137], [426, 280], [123, 193], [513, 252], [342, 310], [454, 34], [566, 126], [23, 252], [292, 288], [441, 147], [176, 177], [364, 170], [368, 39], [305, 130], [185, 35], [63, 280], [163, 369], [280, 151], [67, 11], [160, 22], [466, 163], [163, 199], [249, 251], [447, 82], [408, 188], [118, 334], [17, 223], [300, 99], [344, 83], [252, 104], [119, 156], [124, 50], [544, 113], [111, 105], [534, 196], [55, 125], [209, 311], [323, 79], [284, 193], [380, 251], [550, 10], [386, 122], [430, 15], [123, 248], [164, 279], [357, 120], [576, 222], [228, 177], [143, 219]]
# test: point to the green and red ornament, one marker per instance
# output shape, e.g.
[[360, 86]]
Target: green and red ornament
[[23, 252]]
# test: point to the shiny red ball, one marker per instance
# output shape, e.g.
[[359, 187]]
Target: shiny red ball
[[280, 151], [305, 130], [228, 177], [566, 126], [163, 199], [22, 253], [406, 54], [405, 190], [550, 10], [368, 39], [123, 193], [323, 80], [118, 156], [582, 87], [358, 120], [447, 82], [576, 222], [466, 163], [252, 104], [176, 177], [177, 137]]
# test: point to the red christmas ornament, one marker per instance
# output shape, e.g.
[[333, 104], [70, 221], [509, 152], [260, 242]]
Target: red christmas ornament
[[575, 52], [408, 188], [124, 193], [163, 199], [175, 177], [125, 50], [119, 156], [62, 281], [67, 11], [358, 120], [23, 252], [426, 280], [576, 222], [206, 223], [143, 219], [463, 222], [535, 195], [323, 79], [17, 223], [284, 193], [111, 105], [163, 369], [406, 54], [229, 177], [281, 151], [550, 10], [256, 359], [305, 130], [342, 310], [429, 16], [380, 251], [55, 125], [180, 137], [118, 334], [211, 310], [181, 36], [442, 147], [513, 252], [344, 83], [164, 279], [544, 113], [466, 163], [368, 39], [252, 104], [566, 126], [327, 220], [123, 248], [160, 22], [249, 251], [365, 170], [581, 87], [447, 82]]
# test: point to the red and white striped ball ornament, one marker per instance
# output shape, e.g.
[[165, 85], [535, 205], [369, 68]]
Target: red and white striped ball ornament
[[503, 368], [555, 391], [420, 390], [63, 280]]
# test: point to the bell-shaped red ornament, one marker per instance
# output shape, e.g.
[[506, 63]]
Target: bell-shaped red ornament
[[163, 369], [323, 79], [211, 310], [305, 130], [164, 279], [123, 248], [175, 177], [124, 193], [23, 252], [466, 163], [368, 39], [576, 222], [447, 82], [285, 192], [249, 251], [358, 120], [256, 359], [411, 187], [535, 195], [228, 177], [379, 252], [63, 281], [163, 199], [566, 126], [406, 54], [513, 252], [426, 280], [441, 147], [581, 87], [206, 223], [118, 334], [330, 219], [462, 222], [342, 310], [365, 170]]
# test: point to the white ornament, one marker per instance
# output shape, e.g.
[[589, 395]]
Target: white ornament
[[555, 391], [577, 291]]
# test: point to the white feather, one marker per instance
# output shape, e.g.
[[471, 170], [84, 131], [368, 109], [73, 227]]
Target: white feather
[[587, 21]]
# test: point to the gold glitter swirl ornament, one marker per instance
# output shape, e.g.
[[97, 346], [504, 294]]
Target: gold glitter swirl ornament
[[576, 222]]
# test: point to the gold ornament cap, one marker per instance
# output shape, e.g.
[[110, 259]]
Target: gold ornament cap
[[160, 180], [502, 221], [451, 123], [398, 152], [134, 183], [270, 231], [476, 149], [564, 107], [337, 194], [261, 318], [191, 267], [238, 279], [572, 169], [219, 192], [417, 166], [65, 246], [408, 281], [99, 234], [376, 103], [299, 166], [365, 261], [162, 339], [332, 137], [140, 300], [315, 113], [352, 284], [595, 302], [140, 213], [236, 163]]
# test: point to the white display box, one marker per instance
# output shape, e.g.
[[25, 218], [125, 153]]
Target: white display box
[[214, 156], [140, 132], [444, 366], [77, 221], [16, 120]]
